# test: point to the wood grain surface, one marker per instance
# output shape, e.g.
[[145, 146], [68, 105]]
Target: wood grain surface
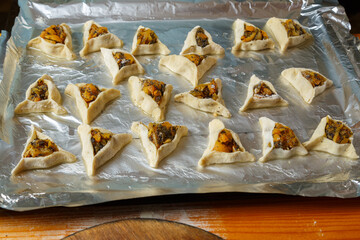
[[228, 215], [139, 229]]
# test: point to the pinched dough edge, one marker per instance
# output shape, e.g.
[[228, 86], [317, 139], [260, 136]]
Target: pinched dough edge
[[107, 40], [56, 158], [58, 50], [123, 73], [154, 155], [145, 102], [271, 153], [115, 144], [52, 104], [186, 68], [272, 101], [214, 157], [216, 107], [88, 114]]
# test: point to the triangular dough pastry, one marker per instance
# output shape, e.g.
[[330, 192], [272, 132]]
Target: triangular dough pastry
[[287, 32], [250, 37], [151, 96], [56, 41], [158, 139], [191, 66], [262, 94], [41, 152], [206, 97], [90, 99], [332, 136], [279, 141], [309, 83], [99, 146], [41, 96], [224, 146], [121, 64], [96, 36], [200, 42], [146, 42]]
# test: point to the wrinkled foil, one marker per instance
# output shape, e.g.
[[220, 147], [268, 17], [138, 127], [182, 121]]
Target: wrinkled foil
[[333, 52]]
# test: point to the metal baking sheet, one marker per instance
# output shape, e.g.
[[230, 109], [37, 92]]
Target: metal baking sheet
[[333, 52]]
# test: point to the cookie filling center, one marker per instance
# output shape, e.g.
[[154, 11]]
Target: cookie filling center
[[96, 31], [337, 131], [89, 92], [206, 90], [314, 78], [40, 148], [226, 143], [261, 90], [284, 137], [161, 133], [293, 29], [123, 59], [201, 38], [54, 34], [99, 139], [252, 33], [155, 89], [146, 36], [196, 59], [40, 92]]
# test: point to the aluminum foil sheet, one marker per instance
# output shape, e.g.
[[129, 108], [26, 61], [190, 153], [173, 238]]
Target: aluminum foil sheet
[[333, 52]]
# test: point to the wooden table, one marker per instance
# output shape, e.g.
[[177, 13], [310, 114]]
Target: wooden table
[[228, 215]]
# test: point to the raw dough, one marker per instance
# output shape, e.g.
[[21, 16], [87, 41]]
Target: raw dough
[[51, 104], [217, 107], [60, 50], [153, 154], [88, 113], [146, 102], [191, 46], [125, 71], [211, 156], [94, 161], [183, 66], [304, 86], [270, 152], [262, 101], [106, 40], [319, 141], [147, 49], [274, 26], [260, 44], [55, 158]]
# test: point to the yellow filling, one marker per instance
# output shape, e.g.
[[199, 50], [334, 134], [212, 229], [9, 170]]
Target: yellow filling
[[201, 38], [89, 92], [252, 33], [337, 131], [40, 92], [123, 59], [40, 148], [226, 143], [161, 133], [99, 139], [314, 78], [146, 36], [206, 90], [284, 137], [96, 31], [155, 89], [262, 90], [54, 34], [293, 29], [196, 59]]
